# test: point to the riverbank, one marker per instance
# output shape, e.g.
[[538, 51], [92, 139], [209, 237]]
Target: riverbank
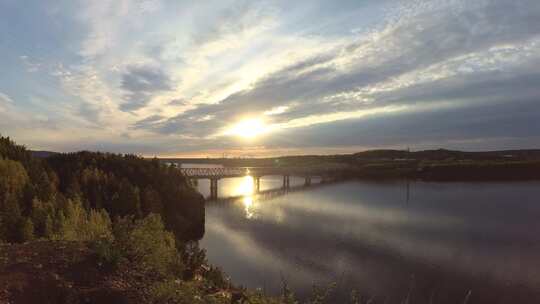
[[447, 170], [58, 272], [436, 165]]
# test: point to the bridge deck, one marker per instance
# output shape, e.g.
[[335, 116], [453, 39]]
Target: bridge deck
[[214, 174], [225, 172]]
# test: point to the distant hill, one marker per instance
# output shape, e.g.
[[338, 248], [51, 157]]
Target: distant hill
[[370, 155], [42, 154], [443, 154]]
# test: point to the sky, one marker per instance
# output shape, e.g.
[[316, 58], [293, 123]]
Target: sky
[[268, 78]]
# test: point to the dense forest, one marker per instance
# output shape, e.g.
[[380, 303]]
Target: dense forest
[[65, 195], [104, 228]]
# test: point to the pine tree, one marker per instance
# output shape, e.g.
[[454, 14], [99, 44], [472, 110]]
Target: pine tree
[[48, 229], [25, 230]]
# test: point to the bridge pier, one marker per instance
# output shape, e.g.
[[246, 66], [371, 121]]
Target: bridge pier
[[286, 182], [194, 182], [214, 188], [257, 183], [326, 174]]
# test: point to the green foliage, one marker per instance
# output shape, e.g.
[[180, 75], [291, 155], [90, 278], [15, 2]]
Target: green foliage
[[194, 258], [321, 294], [151, 201], [182, 292], [355, 297], [127, 200], [41, 217], [130, 185], [25, 230], [48, 227], [72, 228], [177, 292], [13, 178], [99, 225], [259, 298], [59, 192], [108, 253], [10, 150], [77, 224], [148, 244], [215, 278]]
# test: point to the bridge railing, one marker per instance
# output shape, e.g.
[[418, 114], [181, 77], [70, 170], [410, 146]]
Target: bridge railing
[[213, 172], [222, 172]]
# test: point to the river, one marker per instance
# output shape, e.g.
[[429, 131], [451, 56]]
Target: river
[[393, 242]]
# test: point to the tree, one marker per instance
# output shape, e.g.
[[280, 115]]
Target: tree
[[98, 225], [25, 230], [45, 187], [48, 229], [147, 243], [13, 178], [57, 194], [151, 201], [127, 200]]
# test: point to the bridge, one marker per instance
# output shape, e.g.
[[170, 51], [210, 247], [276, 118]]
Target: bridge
[[325, 172]]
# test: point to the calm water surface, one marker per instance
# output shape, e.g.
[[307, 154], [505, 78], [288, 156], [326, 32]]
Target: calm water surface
[[422, 243]]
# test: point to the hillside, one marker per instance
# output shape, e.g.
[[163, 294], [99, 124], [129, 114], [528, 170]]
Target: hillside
[[59, 272], [443, 154], [62, 272], [102, 228], [365, 156], [42, 154], [38, 196]]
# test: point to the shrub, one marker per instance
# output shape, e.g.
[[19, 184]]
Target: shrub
[[98, 226], [194, 258], [75, 220], [25, 230], [180, 292], [147, 243], [107, 252], [216, 278], [76, 224], [321, 294]]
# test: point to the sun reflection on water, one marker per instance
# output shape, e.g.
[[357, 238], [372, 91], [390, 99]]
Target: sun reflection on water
[[246, 189], [249, 207]]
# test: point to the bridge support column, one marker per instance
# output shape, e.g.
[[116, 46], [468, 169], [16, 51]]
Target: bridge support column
[[286, 182], [213, 188], [257, 184], [307, 181]]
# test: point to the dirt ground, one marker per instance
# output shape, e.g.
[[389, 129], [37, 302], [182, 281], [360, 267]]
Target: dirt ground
[[63, 272]]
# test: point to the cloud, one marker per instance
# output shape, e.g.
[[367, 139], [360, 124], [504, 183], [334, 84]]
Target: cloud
[[232, 26], [140, 83], [6, 106], [148, 122], [5, 99], [31, 66], [439, 54], [177, 102], [481, 126], [155, 70]]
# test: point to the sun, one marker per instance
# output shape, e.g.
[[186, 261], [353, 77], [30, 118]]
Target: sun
[[249, 128]]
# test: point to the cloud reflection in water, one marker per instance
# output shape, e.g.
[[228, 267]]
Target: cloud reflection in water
[[458, 232]]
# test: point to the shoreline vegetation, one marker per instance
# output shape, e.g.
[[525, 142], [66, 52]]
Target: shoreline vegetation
[[93, 227], [428, 165]]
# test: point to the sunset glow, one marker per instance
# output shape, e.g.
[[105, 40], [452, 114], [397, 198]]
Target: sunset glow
[[246, 78], [249, 128]]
